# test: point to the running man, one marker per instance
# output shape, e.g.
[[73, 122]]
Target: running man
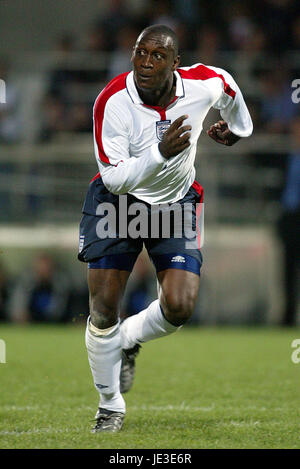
[[146, 126]]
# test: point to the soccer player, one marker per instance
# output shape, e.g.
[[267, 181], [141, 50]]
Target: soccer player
[[146, 126]]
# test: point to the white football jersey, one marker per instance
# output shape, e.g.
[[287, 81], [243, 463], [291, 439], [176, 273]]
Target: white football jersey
[[127, 132]]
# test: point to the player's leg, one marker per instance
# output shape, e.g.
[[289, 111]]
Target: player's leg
[[178, 291], [103, 338], [110, 261], [177, 261], [106, 287]]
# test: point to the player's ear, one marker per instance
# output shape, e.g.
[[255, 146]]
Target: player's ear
[[176, 62]]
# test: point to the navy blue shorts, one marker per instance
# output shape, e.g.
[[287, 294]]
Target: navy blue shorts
[[120, 252]]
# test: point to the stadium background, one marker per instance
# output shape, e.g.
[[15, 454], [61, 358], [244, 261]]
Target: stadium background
[[55, 58]]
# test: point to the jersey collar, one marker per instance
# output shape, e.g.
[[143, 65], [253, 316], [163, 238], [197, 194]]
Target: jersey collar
[[135, 97]]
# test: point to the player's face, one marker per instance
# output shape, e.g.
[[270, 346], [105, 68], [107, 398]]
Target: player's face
[[153, 62]]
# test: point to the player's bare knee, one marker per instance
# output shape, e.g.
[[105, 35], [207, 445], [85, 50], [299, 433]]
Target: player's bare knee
[[177, 309]]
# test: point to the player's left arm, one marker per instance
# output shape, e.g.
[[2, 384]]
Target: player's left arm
[[236, 121]]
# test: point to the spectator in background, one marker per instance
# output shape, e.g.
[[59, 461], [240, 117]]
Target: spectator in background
[[161, 12], [79, 118], [276, 20], [240, 25], [207, 46], [121, 58], [289, 228], [96, 39], [53, 117], [250, 58], [42, 294], [63, 109], [62, 75], [189, 11], [54, 104], [116, 18], [97, 49], [277, 108]]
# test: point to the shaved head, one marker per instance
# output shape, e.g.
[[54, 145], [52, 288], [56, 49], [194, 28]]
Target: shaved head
[[162, 34], [155, 59]]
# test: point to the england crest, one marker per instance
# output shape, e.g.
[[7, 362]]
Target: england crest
[[161, 127]]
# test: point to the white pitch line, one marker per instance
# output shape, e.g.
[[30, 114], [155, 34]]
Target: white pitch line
[[18, 408], [181, 407], [156, 408], [37, 431], [25, 432], [236, 423]]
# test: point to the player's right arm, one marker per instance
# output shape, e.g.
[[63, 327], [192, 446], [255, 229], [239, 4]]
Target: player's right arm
[[121, 172]]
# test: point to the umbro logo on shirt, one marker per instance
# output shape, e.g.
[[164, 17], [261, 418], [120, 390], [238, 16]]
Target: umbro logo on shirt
[[178, 259]]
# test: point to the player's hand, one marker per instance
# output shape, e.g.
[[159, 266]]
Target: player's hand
[[221, 134], [176, 138]]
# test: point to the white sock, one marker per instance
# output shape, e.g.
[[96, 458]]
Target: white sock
[[147, 325], [104, 354]]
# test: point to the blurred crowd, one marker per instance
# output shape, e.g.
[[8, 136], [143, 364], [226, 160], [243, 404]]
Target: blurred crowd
[[47, 292], [43, 292], [262, 34]]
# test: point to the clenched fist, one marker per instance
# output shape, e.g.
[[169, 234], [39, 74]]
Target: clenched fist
[[221, 134], [176, 138]]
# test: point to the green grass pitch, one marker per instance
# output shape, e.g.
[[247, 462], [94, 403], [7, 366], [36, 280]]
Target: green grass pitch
[[198, 388]]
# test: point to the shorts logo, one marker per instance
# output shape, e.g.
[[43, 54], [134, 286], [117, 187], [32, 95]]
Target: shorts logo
[[81, 242], [178, 259], [161, 127]]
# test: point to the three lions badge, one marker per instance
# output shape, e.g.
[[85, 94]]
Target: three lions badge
[[161, 127]]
